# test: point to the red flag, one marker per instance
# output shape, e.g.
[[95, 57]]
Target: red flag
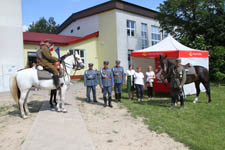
[[51, 48]]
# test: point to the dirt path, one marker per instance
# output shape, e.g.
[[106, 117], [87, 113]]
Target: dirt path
[[13, 129], [114, 128]]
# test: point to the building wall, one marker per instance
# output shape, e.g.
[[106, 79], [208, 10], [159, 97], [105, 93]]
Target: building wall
[[87, 26], [11, 58], [90, 47], [107, 46], [125, 42]]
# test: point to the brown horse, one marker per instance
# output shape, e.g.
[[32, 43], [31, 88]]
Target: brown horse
[[201, 76]]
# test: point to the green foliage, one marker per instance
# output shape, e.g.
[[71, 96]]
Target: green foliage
[[198, 43], [190, 18], [217, 63], [43, 26], [199, 126]]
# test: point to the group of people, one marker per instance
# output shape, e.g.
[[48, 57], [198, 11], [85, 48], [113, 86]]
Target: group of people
[[114, 78]]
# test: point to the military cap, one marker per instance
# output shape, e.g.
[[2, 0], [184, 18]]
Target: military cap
[[117, 61], [178, 60], [106, 62], [42, 43], [90, 64], [48, 41]]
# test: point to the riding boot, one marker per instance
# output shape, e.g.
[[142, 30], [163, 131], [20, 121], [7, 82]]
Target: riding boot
[[56, 81], [105, 101], [119, 97], [181, 103], [110, 100], [172, 103], [116, 96]]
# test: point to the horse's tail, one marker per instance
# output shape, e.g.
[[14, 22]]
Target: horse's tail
[[14, 90]]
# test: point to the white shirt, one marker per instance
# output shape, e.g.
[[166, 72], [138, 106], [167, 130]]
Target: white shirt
[[150, 76], [130, 72], [139, 76]]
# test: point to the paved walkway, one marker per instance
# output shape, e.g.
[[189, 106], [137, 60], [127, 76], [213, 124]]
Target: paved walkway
[[59, 131]]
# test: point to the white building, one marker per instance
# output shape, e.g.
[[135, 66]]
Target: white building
[[123, 27], [11, 39]]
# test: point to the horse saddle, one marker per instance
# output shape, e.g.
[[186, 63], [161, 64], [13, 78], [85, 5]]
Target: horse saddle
[[46, 75], [190, 70]]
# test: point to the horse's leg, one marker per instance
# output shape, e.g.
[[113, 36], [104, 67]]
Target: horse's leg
[[62, 97], [58, 106], [55, 94], [21, 103], [197, 86], [27, 112], [207, 87]]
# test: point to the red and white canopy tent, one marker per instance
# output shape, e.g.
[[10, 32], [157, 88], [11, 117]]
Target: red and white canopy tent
[[173, 49]]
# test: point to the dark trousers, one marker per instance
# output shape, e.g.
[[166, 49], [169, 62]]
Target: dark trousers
[[139, 90], [89, 89], [150, 91], [53, 95]]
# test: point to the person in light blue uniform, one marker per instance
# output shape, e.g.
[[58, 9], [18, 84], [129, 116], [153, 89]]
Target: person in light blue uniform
[[91, 81], [106, 83], [118, 74]]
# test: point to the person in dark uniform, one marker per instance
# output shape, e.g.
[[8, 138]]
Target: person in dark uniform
[[106, 83], [178, 78], [91, 81], [47, 61], [118, 73]]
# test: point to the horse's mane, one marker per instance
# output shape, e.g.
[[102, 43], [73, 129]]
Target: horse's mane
[[65, 56]]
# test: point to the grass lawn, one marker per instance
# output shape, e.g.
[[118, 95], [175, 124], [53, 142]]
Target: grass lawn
[[199, 126]]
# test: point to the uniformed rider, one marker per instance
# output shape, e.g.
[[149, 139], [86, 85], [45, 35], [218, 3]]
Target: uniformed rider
[[47, 61]]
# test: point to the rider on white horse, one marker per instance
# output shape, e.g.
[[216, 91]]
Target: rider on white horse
[[47, 61]]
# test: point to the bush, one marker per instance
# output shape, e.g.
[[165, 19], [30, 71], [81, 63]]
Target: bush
[[217, 64]]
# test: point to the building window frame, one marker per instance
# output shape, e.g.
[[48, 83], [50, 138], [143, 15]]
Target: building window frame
[[156, 34], [144, 35], [81, 52], [129, 56], [131, 28]]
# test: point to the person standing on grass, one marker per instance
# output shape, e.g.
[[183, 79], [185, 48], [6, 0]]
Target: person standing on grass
[[118, 73], [150, 76], [130, 82], [139, 83]]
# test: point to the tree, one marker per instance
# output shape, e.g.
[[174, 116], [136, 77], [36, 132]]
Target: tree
[[198, 24], [189, 18], [43, 26]]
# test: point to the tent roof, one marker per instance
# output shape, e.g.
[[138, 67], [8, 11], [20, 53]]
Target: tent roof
[[167, 44], [171, 48]]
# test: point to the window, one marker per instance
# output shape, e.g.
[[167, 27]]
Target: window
[[32, 58], [71, 31], [130, 28], [78, 28], [144, 36], [81, 52], [129, 52], [155, 35]]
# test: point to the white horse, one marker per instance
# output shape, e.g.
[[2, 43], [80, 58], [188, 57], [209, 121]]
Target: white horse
[[24, 80]]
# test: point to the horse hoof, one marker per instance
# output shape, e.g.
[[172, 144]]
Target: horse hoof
[[24, 117], [194, 102], [64, 111], [59, 110]]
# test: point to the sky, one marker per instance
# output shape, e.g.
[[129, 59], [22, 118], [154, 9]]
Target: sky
[[33, 10]]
